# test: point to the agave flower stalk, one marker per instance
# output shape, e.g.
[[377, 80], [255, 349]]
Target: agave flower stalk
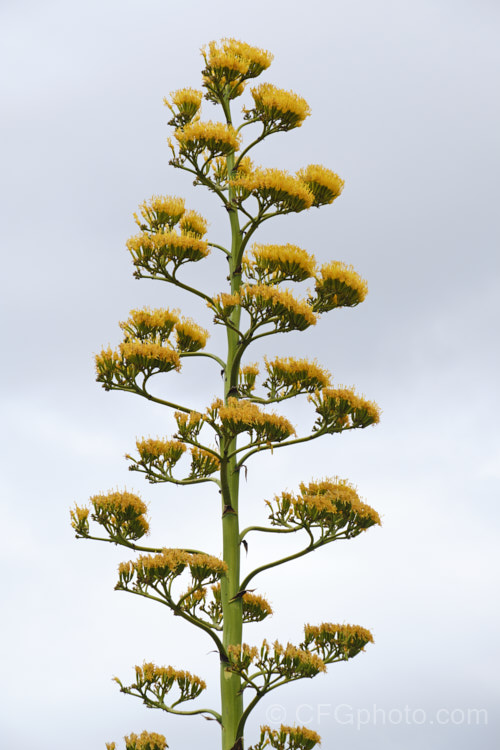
[[260, 298]]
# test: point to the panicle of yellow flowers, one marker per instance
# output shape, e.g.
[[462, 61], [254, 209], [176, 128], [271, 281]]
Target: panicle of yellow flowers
[[292, 738], [269, 303], [242, 655], [170, 563], [160, 211], [280, 262], [150, 672], [184, 104], [242, 416], [335, 504], [338, 285], [247, 377], [342, 632], [203, 463], [217, 137], [280, 301], [219, 167], [287, 661], [79, 514], [186, 95], [144, 323], [298, 659], [289, 374], [250, 370], [146, 353], [233, 61], [120, 513], [324, 184], [336, 642], [150, 449], [193, 224], [254, 603], [145, 741], [344, 404], [119, 501], [276, 187], [188, 425], [80, 520], [190, 336], [331, 505], [255, 608], [166, 246], [274, 105]]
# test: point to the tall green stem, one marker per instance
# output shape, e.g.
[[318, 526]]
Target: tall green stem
[[231, 698]]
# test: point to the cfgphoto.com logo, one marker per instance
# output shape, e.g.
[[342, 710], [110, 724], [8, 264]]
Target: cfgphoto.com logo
[[347, 715]]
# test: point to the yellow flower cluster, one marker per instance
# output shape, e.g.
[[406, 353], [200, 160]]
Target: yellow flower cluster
[[244, 416], [275, 187], [189, 425], [159, 212], [171, 562], [145, 741], [217, 137], [119, 501], [183, 97], [155, 326], [324, 184], [169, 450], [150, 672], [147, 323], [156, 250], [280, 108], [263, 301], [336, 642], [79, 514], [225, 303], [241, 655], [206, 566], [298, 659], [120, 513], [148, 355], [287, 661], [290, 375], [110, 369], [219, 167], [293, 738], [278, 263], [268, 303], [193, 224], [166, 562], [232, 62], [185, 104], [80, 521], [343, 632], [338, 506], [255, 608], [338, 285], [247, 377], [342, 407], [190, 336], [203, 463], [331, 505], [250, 370], [337, 491]]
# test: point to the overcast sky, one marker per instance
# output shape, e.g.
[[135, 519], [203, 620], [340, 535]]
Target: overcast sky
[[404, 99]]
